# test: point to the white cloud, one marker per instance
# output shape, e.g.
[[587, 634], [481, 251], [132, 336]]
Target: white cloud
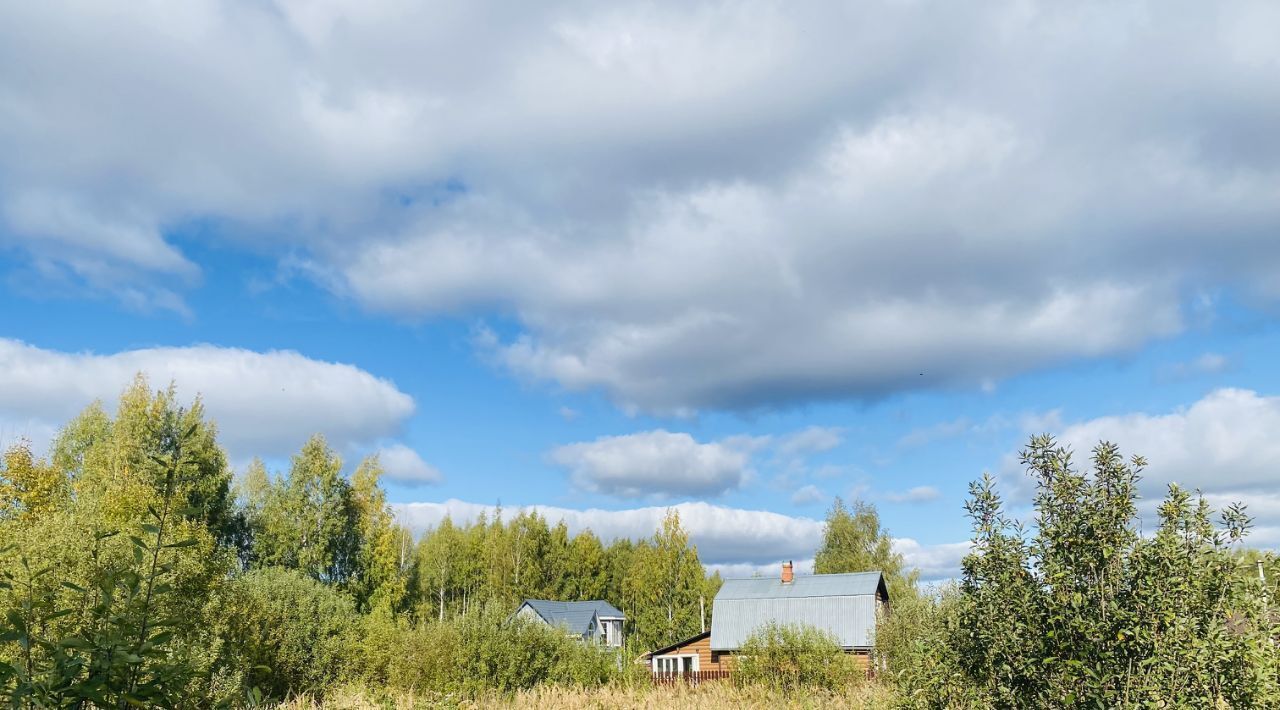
[[734, 540], [808, 495], [814, 439], [264, 403], [919, 494], [655, 464], [1224, 444], [935, 562], [676, 209], [403, 465]]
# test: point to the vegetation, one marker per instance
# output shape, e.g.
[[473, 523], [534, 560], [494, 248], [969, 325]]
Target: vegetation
[[133, 573], [854, 541], [1083, 611], [796, 657]]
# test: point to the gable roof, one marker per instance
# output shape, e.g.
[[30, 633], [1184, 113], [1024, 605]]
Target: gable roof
[[843, 605], [813, 585], [577, 617], [678, 644]]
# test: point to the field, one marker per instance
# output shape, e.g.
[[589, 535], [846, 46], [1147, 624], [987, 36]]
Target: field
[[713, 696]]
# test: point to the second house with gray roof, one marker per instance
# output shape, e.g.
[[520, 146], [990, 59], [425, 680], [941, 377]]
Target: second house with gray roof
[[595, 620]]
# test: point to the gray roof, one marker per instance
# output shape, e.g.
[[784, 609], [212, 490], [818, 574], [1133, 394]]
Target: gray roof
[[813, 585], [577, 617], [843, 605]]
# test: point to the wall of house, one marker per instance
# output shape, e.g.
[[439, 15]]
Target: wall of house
[[707, 660]]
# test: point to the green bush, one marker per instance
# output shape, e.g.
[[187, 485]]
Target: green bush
[[481, 651], [789, 657], [289, 633]]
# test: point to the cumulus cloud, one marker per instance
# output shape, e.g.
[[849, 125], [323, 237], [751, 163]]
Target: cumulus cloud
[[652, 184], [1224, 444], [919, 494], [734, 540], [657, 464], [403, 465], [265, 403]]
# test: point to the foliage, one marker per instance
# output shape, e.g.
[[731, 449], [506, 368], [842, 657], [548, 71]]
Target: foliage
[[790, 657], [1084, 611], [853, 541], [110, 642], [485, 649], [29, 487], [289, 632], [666, 587]]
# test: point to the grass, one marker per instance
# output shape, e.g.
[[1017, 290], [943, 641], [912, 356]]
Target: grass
[[713, 696]]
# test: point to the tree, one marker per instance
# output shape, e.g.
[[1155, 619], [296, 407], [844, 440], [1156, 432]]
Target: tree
[[379, 583], [1084, 611], [310, 521], [112, 462], [438, 559], [853, 541], [29, 487], [665, 586]]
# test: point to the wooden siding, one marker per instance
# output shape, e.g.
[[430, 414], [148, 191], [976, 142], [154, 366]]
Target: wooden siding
[[700, 646]]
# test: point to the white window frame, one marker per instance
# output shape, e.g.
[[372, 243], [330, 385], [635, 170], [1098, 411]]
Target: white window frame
[[606, 632], [669, 664]]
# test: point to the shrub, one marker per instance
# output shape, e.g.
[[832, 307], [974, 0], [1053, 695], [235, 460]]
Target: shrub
[[290, 633], [788, 657], [485, 650]]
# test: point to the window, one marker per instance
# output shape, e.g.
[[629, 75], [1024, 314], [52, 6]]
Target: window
[[612, 629], [676, 665]]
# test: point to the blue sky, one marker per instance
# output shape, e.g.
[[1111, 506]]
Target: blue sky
[[606, 260]]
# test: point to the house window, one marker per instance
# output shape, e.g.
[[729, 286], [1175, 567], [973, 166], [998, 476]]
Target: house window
[[612, 632], [676, 665]]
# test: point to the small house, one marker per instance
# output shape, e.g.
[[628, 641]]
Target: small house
[[596, 620], [843, 605]]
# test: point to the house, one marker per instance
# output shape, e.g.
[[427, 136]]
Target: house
[[595, 620], [843, 605]]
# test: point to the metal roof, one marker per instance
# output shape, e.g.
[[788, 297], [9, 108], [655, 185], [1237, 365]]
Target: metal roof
[[843, 605], [576, 617], [813, 585]]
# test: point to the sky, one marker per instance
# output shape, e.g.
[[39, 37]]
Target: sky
[[602, 260]]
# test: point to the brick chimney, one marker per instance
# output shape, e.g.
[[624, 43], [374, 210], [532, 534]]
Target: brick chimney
[[787, 573]]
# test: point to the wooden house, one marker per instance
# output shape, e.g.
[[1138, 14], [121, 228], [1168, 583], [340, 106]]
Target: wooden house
[[843, 605]]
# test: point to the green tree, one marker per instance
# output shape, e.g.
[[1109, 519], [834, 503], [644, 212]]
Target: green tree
[[310, 521], [1086, 612], [665, 586], [380, 583], [853, 541]]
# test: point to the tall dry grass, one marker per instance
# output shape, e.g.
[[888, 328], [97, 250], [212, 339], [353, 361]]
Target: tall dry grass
[[708, 696]]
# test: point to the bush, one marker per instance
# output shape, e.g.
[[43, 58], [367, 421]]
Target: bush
[[485, 650], [290, 633], [789, 657]]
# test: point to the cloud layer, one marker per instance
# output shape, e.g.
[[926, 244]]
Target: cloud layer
[[264, 403], [736, 541], [672, 200]]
